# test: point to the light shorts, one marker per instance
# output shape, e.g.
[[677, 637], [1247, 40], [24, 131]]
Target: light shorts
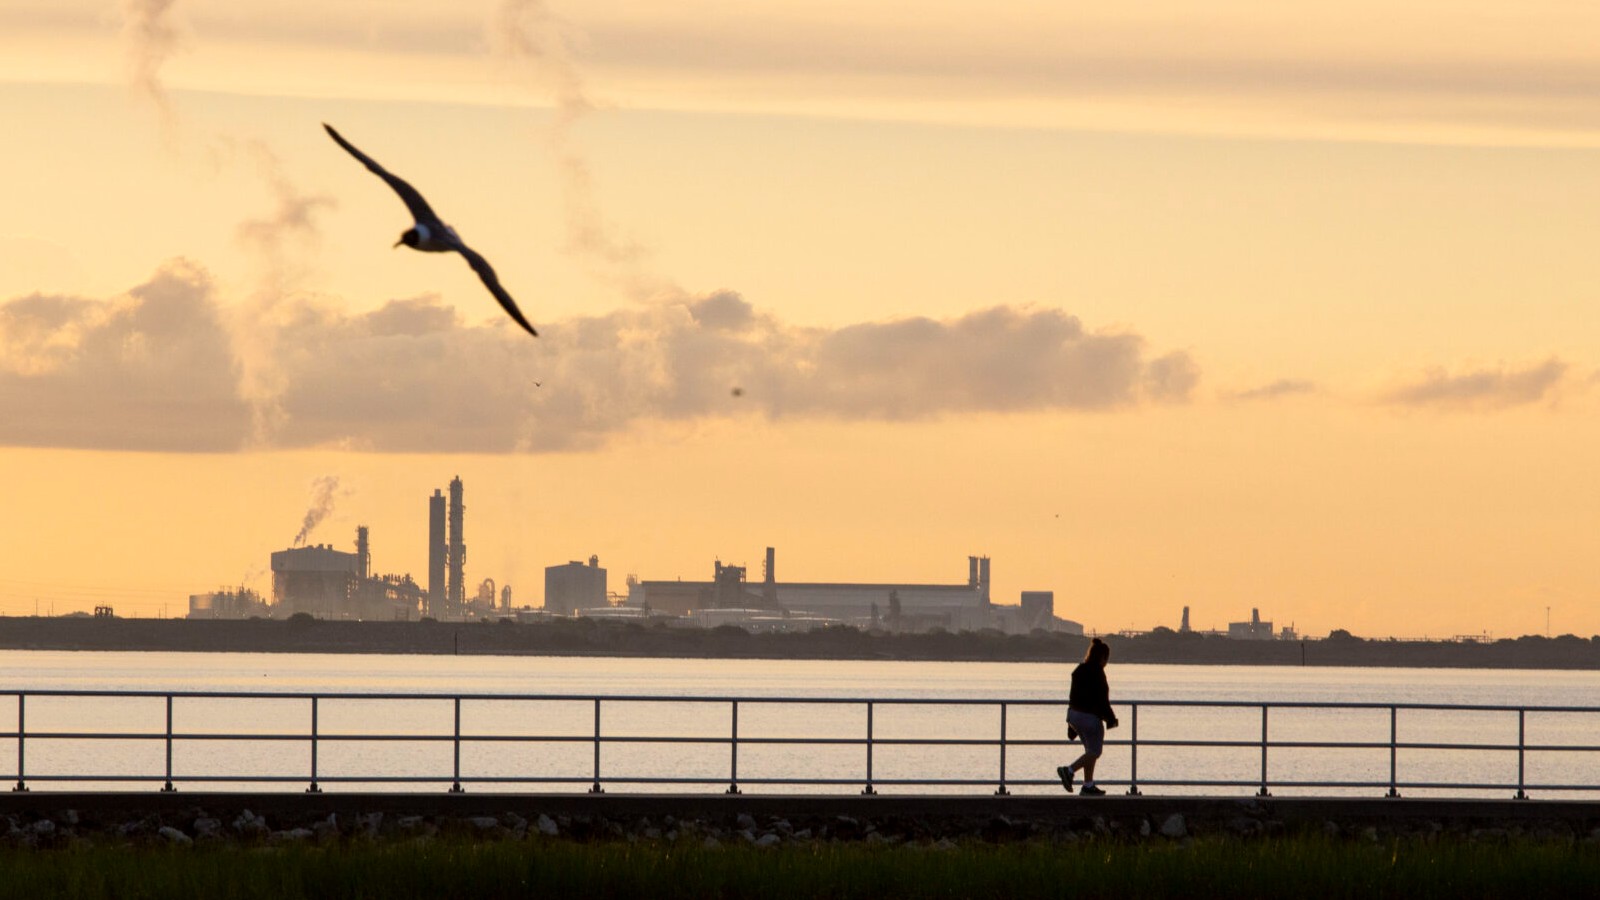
[[1091, 730]]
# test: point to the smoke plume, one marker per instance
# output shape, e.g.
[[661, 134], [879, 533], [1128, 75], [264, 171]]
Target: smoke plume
[[149, 40], [539, 45], [278, 242], [323, 491]]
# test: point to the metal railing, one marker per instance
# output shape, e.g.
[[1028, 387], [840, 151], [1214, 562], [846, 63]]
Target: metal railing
[[1001, 742]]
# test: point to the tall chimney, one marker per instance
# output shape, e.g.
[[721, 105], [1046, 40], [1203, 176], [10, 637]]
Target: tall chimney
[[972, 571], [1185, 626], [983, 577], [363, 553], [770, 569], [457, 587], [436, 553]]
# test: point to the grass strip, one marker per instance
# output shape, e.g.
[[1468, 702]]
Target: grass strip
[[1293, 866]]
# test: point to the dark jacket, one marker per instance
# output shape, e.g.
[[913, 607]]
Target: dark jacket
[[1090, 693]]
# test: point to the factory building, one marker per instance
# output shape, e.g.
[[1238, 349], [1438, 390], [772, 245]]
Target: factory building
[[1037, 611], [317, 580], [574, 586], [897, 606], [1253, 630], [331, 584]]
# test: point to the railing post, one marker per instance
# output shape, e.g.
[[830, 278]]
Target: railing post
[[455, 786], [1394, 732], [596, 789], [313, 789], [1133, 752], [868, 789], [733, 763], [1263, 792], [168, 788], [1001, 791], [1522, 741], [22, 746]]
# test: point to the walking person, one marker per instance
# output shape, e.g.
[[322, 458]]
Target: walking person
[[1088, 716]]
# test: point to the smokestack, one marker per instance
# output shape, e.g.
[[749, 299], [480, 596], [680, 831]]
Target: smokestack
[[457, 587], [770, 569], [983, 577], [363, 553], [436, 553], [972, 571], [1185, 626], [1255, 616], [594, 561]]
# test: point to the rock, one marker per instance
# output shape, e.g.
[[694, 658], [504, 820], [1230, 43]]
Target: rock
[[768, 840], [174, 837], [1174, 827], [712, 843], [1245, 826], [671, 835], [1144, 827], [291, 836], [68, 817], [803, 834], [207, 829], [250, 825], [44, 828], [746, 822], [369, 825], [1370, 834], [1330, 829], [944, 844], [652, 834], [483, 824], [516, 823], [547, 826], [326, 831]]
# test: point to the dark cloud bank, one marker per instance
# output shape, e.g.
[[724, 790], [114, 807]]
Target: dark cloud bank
[[156, 370]]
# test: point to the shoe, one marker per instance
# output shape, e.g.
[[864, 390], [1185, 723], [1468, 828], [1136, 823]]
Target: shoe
[[1090, 790], [1065, 774]]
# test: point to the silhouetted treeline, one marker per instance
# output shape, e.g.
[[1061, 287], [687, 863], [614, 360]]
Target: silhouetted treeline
[[625, 638]]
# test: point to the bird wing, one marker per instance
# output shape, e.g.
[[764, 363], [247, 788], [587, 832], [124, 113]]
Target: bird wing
[[419, 208], [492, 282]]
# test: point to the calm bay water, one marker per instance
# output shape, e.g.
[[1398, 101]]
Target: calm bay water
[[25, 670]]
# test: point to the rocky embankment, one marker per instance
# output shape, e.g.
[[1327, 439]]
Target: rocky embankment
[[924, 822]]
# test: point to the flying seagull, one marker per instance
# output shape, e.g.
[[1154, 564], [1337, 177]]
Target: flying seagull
[[433, 236]]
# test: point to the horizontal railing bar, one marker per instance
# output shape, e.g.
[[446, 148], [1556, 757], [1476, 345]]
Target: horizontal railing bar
[[819, 741], [779, 700]]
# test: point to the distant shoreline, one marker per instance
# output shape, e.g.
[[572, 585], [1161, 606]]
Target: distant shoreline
[[588, 637]]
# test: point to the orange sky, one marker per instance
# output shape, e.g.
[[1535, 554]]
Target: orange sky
[[1274, 307]]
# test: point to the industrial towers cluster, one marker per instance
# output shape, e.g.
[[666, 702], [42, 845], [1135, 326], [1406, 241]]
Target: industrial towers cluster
[[326, 583]]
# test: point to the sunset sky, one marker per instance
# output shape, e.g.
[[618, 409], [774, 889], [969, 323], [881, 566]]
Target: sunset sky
[[1254, 304]]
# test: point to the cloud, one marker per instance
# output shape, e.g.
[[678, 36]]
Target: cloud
[[154, 370], [150, 370], [1481, 389], [1283, 387]]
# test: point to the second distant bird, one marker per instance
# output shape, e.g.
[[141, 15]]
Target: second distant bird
[[433, 236]]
